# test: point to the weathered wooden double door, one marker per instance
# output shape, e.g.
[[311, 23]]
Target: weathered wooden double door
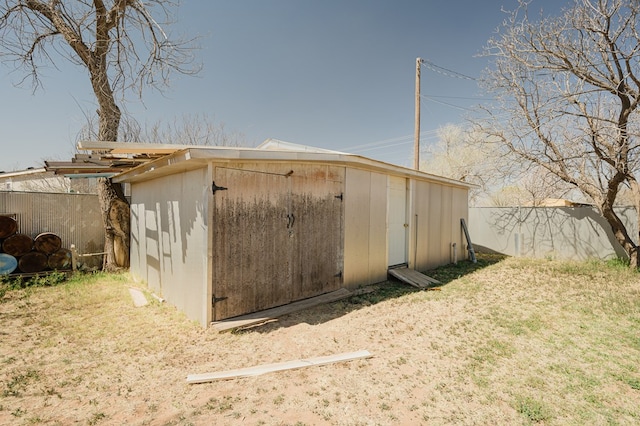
[[277, 235]]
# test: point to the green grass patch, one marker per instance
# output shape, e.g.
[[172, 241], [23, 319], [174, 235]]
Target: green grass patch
[[533, 410], [448, 273], [19, 381], [10, 284]]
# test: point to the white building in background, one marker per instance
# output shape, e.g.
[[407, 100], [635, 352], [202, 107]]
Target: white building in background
[[41, 180]]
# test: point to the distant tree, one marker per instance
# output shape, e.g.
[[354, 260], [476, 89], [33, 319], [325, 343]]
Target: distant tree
[[458, 154], [568, 90], [531, 188], [121, 45], [198, 129], [187, 129]]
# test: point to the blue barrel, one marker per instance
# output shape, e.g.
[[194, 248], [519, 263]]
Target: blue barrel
[[8, 264]]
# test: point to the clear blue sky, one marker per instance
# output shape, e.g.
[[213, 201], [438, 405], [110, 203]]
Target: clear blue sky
[[337, 74]]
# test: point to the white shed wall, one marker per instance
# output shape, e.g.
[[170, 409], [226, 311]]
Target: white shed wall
[[169, 238], [365, 228], [437, 210]]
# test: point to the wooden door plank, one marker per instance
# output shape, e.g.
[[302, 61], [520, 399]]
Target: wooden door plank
[[281, 366], [317, 243], [421, 277], [413, 277], [403, 278], [273, 313]]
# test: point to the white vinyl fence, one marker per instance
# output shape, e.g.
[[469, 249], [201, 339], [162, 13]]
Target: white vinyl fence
[[576, 233]]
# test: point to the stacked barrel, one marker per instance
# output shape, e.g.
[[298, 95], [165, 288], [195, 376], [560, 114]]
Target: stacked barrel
[[20, 253]]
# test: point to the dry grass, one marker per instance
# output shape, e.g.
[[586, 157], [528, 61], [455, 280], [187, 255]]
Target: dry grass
[[513, 342]]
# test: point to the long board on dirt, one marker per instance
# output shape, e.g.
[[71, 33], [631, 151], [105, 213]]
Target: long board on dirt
[[413, 277], [274, 313]]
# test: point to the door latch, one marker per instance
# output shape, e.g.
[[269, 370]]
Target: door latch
[[215, 299]]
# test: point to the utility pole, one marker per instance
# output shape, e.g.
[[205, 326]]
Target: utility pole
[[416, 138]]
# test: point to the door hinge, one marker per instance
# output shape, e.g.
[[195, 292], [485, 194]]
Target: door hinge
[[215, 299], [215, 188], [338, 275], [340, 197]]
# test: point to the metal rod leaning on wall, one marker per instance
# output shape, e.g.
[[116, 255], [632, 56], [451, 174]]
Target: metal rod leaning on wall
[[472, 253]]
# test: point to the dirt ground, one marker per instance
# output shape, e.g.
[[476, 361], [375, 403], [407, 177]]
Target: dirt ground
[[511, 343]]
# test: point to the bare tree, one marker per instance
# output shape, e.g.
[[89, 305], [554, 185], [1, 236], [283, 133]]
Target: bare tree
[[568, 92], [198, 129], [122, 46], [533, 187], [129, 129], [459, 154]]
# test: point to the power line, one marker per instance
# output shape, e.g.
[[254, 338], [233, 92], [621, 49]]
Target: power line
[[445, 71], [448, 104], [459, 97], [387, 143]]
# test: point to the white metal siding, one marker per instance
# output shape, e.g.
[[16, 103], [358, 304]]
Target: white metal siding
[[437, 210], [365, 247], [169, 238]]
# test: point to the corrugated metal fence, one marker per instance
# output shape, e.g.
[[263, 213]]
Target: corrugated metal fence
[[75, 218], [577, 233]]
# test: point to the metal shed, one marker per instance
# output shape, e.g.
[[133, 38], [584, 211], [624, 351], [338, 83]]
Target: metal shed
[[222, 232]]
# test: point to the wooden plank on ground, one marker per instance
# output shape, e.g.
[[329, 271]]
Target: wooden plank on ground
[[427, 277], [281, 366], [273, 313], [413, 277]]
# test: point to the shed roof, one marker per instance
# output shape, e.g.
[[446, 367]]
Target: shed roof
[[194, 157], [278, 145]]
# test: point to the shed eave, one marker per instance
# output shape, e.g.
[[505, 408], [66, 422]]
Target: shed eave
[[193, 158], [179, 161]]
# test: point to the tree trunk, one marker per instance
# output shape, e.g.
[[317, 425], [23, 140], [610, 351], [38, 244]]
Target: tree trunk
[[621, 234], [115, 216], [113, 204], [634, 262]]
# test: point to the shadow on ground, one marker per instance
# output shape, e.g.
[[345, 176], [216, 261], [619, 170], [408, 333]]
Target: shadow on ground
[[373, 294]]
